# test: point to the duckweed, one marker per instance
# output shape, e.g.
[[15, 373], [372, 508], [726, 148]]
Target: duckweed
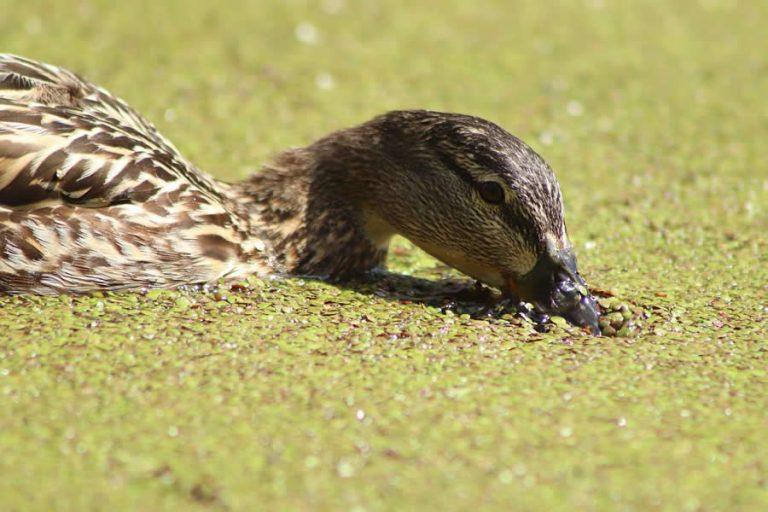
[[620, 318], [416, 390]]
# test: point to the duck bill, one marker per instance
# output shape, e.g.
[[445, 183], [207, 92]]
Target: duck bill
[[581, 310], [555, 287]]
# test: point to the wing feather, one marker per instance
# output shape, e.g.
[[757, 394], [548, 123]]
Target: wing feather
[[28, 81], [60, 153], [90, 192]]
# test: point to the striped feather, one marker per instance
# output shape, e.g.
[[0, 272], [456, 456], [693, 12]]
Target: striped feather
[[93, 197]]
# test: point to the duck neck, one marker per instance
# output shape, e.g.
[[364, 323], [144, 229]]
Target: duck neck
[[315, 209]]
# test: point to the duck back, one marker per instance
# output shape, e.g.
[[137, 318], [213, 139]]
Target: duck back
[[93, 197]]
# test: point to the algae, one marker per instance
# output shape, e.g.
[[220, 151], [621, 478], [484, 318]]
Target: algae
[[404, 393]]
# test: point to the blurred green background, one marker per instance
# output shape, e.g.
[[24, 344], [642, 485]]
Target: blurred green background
[[295, 395]]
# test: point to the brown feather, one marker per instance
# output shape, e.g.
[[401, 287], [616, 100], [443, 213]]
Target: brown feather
[[93, 197]]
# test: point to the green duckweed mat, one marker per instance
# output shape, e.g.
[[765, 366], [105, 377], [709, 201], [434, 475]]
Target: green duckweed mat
[[397, 395]]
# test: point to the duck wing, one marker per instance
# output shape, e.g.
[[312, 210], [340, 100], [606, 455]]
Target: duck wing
[[93, 197], [63, 154], [28, 81]]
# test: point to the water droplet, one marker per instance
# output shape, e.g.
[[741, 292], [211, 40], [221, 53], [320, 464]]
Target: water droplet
[[506, 476], [332, 6], [345, 469], [307, 33], [325, 81], [574, 108]]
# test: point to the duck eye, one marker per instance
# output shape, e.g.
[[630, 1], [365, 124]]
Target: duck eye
[[491, 192]]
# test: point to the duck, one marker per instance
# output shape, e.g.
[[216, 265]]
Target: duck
[[93, 197]]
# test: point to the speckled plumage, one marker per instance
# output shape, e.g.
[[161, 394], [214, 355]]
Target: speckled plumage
[[93, 197]]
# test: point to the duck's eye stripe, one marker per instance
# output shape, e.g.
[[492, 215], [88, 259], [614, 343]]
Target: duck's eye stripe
[[456, 168], [490, 191]]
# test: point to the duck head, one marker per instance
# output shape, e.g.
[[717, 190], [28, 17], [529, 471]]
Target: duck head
[[479, 199]]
